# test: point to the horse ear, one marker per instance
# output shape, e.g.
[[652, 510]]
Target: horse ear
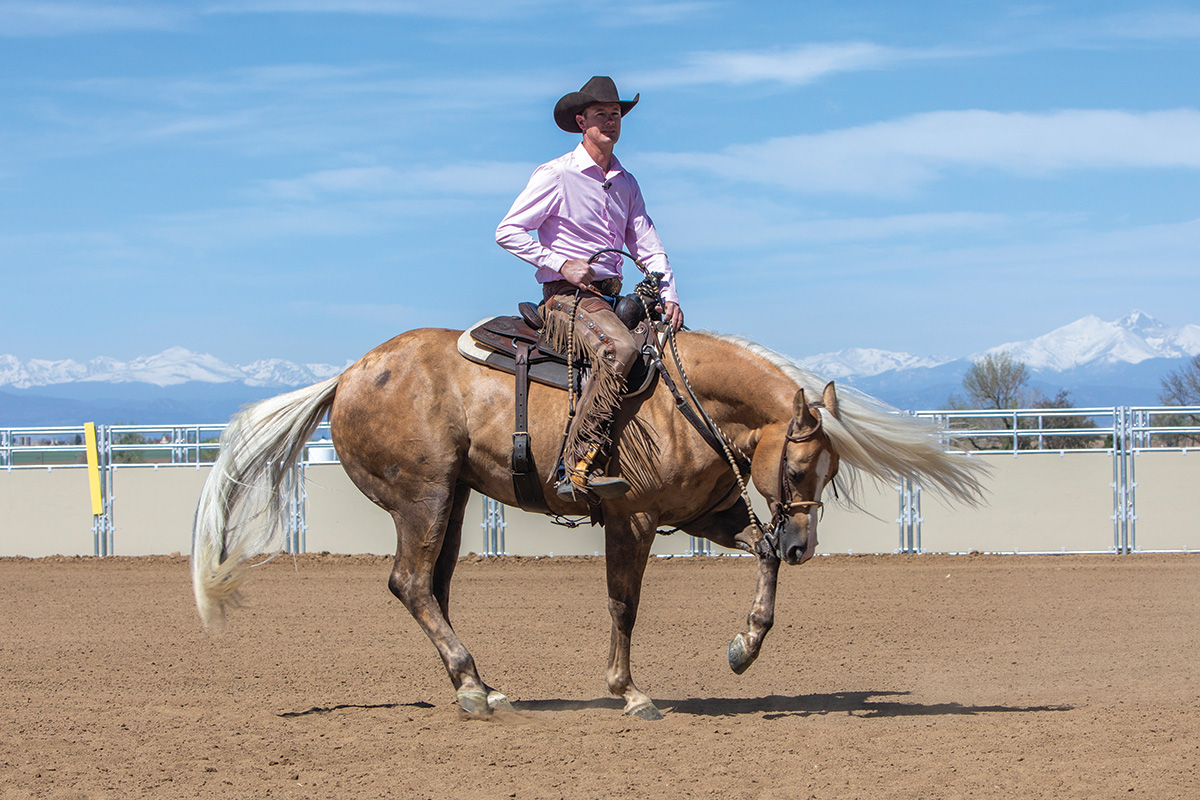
[[801, 412], [829, 399]]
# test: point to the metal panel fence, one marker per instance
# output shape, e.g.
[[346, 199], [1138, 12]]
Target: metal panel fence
[[1056, 475]]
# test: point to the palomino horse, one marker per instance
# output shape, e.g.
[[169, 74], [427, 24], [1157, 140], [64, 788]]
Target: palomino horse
[[418, 428]]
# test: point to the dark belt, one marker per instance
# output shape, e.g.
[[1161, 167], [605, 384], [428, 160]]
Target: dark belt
[[609, 287]]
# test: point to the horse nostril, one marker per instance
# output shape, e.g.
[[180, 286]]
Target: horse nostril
[[794, 553]]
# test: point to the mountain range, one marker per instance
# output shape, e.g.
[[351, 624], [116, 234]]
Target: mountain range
[[1100, 363], [171, 367]]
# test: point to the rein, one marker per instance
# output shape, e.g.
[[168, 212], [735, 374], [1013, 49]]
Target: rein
[[649, 289]]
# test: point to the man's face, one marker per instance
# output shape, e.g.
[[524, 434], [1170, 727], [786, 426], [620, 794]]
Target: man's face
[[601, 123]]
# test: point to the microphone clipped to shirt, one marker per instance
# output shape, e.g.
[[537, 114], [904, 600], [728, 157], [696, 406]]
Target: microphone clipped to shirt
[[607, 185]]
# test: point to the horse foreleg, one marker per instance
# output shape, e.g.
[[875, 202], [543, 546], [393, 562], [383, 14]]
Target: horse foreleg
[[426, 552], [627, 546], [744, 648], [732, 528]]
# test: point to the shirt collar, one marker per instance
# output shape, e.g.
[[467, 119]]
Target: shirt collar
[[583, 161]]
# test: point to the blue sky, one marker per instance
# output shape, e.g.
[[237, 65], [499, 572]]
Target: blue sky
[[305, 179]]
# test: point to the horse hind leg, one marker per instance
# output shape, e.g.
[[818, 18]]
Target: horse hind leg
[[627, 546], [444, 572], [426, 553]]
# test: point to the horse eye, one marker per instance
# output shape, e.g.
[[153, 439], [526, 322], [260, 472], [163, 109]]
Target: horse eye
[[794, 474]]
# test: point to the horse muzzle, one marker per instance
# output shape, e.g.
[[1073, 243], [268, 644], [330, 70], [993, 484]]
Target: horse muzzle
[[795, 542]]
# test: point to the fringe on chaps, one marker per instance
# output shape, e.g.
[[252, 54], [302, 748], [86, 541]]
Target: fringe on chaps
[[631, 445]]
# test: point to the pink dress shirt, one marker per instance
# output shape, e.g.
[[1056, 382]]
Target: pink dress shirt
[[576, 210]]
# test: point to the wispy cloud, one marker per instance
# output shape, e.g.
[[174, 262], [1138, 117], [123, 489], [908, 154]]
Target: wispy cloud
[[797, 65], [644, 13], [614, 14], [756, 224], [19, 19], [1151, 24], [272, 110], [464, 9], [381, 313], [356, 180], [494, 178], [900, 156]]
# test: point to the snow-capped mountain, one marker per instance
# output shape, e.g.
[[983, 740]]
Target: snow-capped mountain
[[171, 367], [862, 362], [1100, 363], [1132, 339]]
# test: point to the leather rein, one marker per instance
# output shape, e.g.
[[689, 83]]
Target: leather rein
[[713, 436]]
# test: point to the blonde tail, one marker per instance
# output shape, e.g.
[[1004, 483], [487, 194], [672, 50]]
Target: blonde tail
[[242, 504]]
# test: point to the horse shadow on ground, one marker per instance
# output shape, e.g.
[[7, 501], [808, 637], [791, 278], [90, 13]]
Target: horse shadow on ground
[[856, 704]]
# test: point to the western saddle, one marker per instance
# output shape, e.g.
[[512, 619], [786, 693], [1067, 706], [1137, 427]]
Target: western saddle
[[517, 345]]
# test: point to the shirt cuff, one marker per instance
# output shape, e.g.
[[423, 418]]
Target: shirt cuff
[[555, 262]]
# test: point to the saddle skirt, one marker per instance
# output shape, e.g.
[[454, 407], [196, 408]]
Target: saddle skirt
[[494, 342]]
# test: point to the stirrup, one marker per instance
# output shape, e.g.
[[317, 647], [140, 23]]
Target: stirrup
[[607, 488], [575, 484], [572, 483]]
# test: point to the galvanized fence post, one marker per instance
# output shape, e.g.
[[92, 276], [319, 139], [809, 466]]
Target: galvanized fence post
[[296, 522], [909, 520], [1123, 484], [493, 527], [102, 523]]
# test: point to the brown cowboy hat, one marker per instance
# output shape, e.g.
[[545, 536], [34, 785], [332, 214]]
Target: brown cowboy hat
[[600, 89]]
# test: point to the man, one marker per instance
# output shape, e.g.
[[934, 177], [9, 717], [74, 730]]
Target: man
[[578, 204]]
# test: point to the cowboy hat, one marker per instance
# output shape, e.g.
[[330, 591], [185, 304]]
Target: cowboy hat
[[600, 89]]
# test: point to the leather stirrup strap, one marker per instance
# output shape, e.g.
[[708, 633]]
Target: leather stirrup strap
[[526, 484]]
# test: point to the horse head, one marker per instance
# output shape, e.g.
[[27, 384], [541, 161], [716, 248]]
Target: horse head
[[791, 469]]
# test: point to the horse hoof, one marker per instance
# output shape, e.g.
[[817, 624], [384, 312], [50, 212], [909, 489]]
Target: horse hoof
[[474, 702], [646, 710], [740, 657], [498, 702]]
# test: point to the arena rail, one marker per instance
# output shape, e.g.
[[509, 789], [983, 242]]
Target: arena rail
[[160, 468]]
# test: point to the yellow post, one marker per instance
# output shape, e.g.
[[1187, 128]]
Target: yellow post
[[93, 462]]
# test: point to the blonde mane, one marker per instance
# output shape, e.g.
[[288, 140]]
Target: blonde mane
[[875, 439]]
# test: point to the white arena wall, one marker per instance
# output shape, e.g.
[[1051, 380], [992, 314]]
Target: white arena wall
[[1037, 502]]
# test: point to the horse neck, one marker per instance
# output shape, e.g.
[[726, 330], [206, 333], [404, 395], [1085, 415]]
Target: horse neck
[[742, 392]]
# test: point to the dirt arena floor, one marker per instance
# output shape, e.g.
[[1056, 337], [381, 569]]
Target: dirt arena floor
[[885, 677]]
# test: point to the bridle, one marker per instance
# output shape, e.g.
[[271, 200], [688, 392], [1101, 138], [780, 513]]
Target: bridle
[[785, 506]]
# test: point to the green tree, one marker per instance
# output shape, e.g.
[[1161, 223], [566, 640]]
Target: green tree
[[128, 456]]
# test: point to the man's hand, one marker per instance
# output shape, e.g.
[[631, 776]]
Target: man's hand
[[674, 315], [578, 272]]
